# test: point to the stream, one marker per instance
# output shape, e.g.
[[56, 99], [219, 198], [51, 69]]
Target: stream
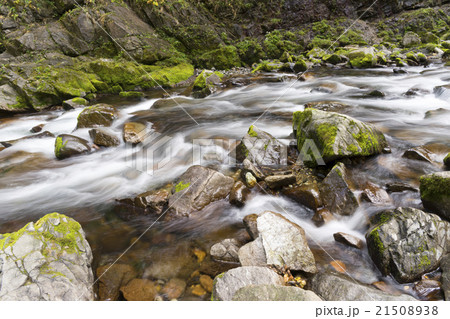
[[33, 182]]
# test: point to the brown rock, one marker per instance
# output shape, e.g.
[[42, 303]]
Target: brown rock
[[419, 154], [400, 187], [103, 137], [307, 195], [37, 128], [348, 240], [278, 181], [206, 282], [322, 216], [198, 290], [134, 132], [239, 194], [428, 289], [251, 225], [174, 288], [139, 290], [374, 194], [111, 278], [226, 250], [338, 266], [153, 202]]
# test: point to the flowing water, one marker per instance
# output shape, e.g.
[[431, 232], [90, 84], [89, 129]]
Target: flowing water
[[33, 182]]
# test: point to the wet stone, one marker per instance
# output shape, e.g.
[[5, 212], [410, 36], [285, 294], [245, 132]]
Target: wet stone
[[348, 240]]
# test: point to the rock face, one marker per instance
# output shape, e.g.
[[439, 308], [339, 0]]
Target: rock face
[[97, 115], [337, 194], [69, 145], [435, 193], [407, 243], [337, 136], [47, 260], [282, 242], [261, 148], [196, 188], [274, 293], [335, 287], [228, 283]]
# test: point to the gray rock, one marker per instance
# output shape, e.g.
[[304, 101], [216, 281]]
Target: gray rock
[[337, 192], [97, 115], [8, 98], [445, 266], [196, 188], [254, 170], [274, 293], [285, 243], [348, 240], [134, 132], [374, 194], [261, 148], [407, 243], [228, 283], [253, 254], [104, 137], [435, 193], [68, 145], [336, 135], [278, 181], [419, 154], [226, 250], [411, 39], [335, 287], [251, 225], [47, 260]]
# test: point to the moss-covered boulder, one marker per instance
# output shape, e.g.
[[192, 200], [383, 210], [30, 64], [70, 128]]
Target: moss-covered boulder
[[363, 58], [300, 66], [74, 103], [336, 135], [47, 260], [97, 115], [223, 58], [407, 243], [206, 83], [411, 39], [68, 145], [261, 148], [435, 193]]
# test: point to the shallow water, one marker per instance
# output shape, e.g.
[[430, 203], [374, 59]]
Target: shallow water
[[33, 182]]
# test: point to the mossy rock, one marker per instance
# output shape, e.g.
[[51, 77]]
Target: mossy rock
[[300, 66], [132, 94], [363, 58], [207, 79], [336, 136], [267, 66], [332, 58], [447, 160], [435, 192], [223, 58], [97, 115], [407, 243], [69, 145]]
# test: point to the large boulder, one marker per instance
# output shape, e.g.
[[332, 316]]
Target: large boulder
[[196, 188], [337, 287], [407, 243], [363, 58], [435, 193], [337, 191], [47, 260], [336, 135], [68, 145], [261, 148], [282, 242], [228, 283], [274, 293], [97, 115]]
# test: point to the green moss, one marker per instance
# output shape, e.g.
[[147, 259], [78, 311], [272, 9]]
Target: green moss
[[80, 101], [223, 58], [200, 81], [361, 60], [250, 51], [326, 134], [58, 146], [434, 188], [266, 66], [131, 94], [181, 186], [251, 132]]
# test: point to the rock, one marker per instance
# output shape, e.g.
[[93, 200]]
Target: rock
[[37, 128], [228, 283], [337, 136], [411, 39], [111, 277], [239, 194], [363, 58], [445, 266], [9, 99], [435, 193], [253, 254], [419, 154], [254, 170], [139, 290], [97, 115], [328, 106], [174, 288], [250, 180], [274, 293], [261, 148], [207, 283], [285, 243], [74, 103], [442, 92], [226, 250], [399, 187], [169, 102], [348, 240], [427, 289], [134, 132], [251, 225], [338, 287], [306, 194], [447, 161], [154, 202], [196, 188], [337, 194], [69, 145], [47, 260], [104, 137], [29, 137], [374, 194], [322, 216], [407, 243], [278, 181]]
